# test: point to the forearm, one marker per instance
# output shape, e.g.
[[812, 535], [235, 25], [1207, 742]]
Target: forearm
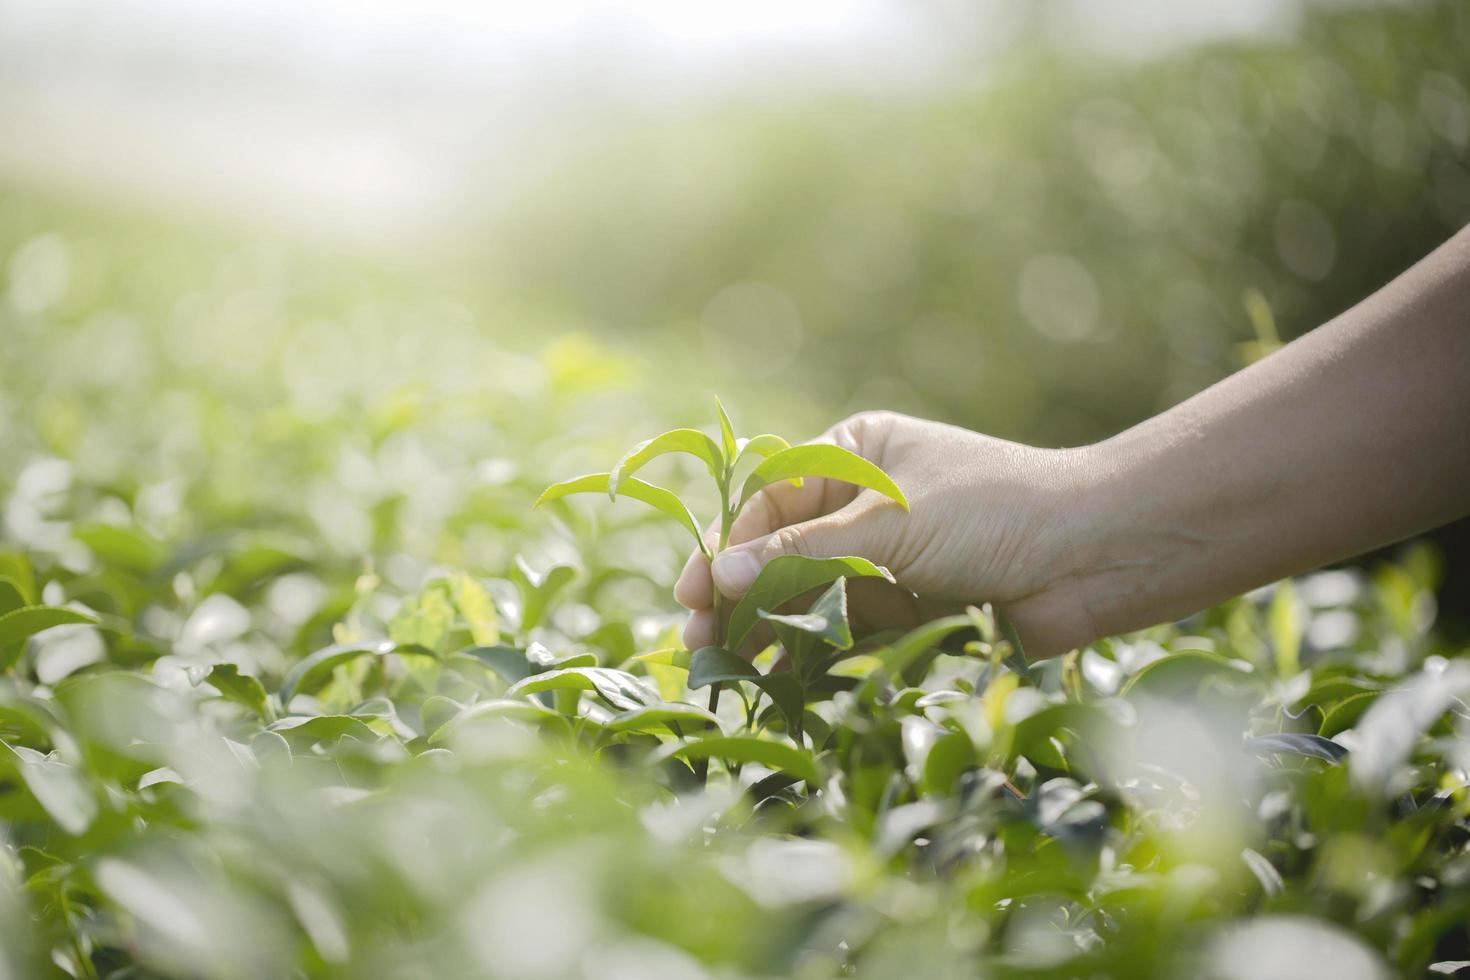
[[1352, 437]]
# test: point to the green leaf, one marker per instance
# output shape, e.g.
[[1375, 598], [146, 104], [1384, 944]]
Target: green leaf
[[716, 665], [516, 710], [11, 597], [1016, 659], [690, 441], [25, 622], [827, 618], [618, 687], [1284, 621], [507, 661], [780, 756], [949, 756], [657, 497], [899, 656], [1180, 674], [1298, 743], [324, 728], [312, 672], [239, 688], [823, 460], [1031, 736], [436, 711], [126, 547], [669, 657], [727, 432], [1345, 713], [423, 620], [787, 577], [15, 569], [657, 718], [764, 445], [58, 788], [477, 607], [537, 591]]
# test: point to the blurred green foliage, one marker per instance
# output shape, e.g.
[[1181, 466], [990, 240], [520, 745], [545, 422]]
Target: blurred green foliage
[[288, 706], [1053, 256]]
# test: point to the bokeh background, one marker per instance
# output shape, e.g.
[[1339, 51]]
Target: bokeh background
[[344, 279]]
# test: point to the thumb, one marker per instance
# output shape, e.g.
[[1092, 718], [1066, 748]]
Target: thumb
[[736, 567]]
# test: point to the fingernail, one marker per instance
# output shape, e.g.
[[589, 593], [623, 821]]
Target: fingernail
[[735, 571]]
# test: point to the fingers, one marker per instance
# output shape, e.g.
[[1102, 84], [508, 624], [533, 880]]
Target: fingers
[[695, 588], [736, 568]]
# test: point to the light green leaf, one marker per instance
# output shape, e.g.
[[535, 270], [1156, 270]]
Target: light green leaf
[[239, 688], [16, 569], [312, 672], [1180, 674], [787, 577], [516, 710], [657, 718], [656, 497], [831, 462], [670, 657], [727, 431], [780, 756], [903, 653], [765, 446], [126, 547], [57, 787], [25, 622], [1284, 621], [690, 441], [477, 607], [508, 662], [324, 728], [423, 620], [537, 590], [618, 687]]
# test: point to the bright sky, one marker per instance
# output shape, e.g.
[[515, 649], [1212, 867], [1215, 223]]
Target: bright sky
[[366, 115]]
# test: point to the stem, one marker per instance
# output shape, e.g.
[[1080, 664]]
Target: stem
[[726, 519]]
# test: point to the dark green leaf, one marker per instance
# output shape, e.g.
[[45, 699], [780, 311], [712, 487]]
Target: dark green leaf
[[780, 756], [1298, 743], [785, 578], [239, 688], [826, 619]]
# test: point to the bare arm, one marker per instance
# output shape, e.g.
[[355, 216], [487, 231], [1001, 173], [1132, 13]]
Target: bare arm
[[1352, 437]]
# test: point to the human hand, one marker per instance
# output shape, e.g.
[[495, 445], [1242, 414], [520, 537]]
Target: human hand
[[989, 520]]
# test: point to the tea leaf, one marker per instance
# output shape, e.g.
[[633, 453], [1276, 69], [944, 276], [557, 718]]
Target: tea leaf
[[786, 577], [657, 718], [618, 687], [239, 688], [823, 460], [727, 432], [743, 748], [657, 497], [826, 620], [690, 441]]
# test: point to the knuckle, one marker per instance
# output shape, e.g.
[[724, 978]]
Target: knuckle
[[790, 541]]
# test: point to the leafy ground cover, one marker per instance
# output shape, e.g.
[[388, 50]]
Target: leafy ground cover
[[236, 754]]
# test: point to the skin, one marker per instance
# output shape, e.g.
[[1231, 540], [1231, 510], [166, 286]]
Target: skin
[[1352, 437]]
